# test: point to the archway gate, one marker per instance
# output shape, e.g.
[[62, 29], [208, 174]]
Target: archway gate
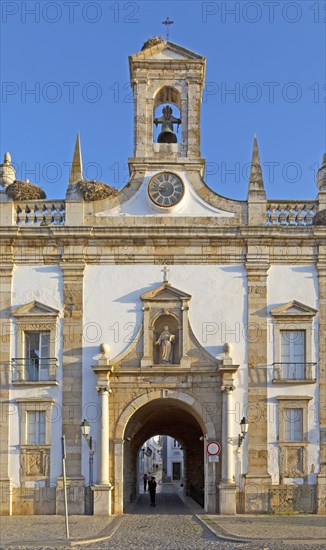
[[188, 396]]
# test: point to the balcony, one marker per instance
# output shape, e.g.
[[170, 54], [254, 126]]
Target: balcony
[[300, 373], [36, 371]]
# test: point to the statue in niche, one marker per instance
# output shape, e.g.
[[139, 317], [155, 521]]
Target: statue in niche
[[165, 341]]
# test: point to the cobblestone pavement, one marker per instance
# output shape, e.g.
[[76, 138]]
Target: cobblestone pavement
[[173, 526]]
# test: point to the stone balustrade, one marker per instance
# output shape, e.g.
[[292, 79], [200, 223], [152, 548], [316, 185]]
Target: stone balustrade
[[290, 213], [40, 212]]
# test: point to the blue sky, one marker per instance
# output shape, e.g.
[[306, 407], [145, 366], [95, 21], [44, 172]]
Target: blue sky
[[74, 55]]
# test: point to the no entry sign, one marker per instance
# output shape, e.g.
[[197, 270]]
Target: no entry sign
[[213, 448]]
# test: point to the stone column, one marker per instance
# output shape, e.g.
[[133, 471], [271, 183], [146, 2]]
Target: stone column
[[258, 479], [103, 446], [147, 358], [227, 486], [102, 490], [185, 360], [228, 439], [72, 381], [5, 333], [321, 480]]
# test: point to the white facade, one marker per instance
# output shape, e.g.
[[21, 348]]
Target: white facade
[[106, 273]]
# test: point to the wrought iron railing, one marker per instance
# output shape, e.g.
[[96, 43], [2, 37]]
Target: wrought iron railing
[[40, 213], [292, 499], [290, 213], [34, 370], [294, 371]]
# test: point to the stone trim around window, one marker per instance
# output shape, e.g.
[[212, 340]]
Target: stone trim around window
[[35, 459], [293, 454], [36, 317], [35, 404], [294, 316]]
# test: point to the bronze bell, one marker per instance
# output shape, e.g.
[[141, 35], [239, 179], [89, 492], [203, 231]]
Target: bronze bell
[[167, 134]]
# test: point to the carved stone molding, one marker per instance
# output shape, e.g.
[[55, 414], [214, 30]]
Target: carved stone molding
[[34, 463], [293, 460]]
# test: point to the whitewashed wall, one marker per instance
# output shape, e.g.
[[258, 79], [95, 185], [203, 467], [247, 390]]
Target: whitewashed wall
[[44, 284], [218, 314], [286, 283], [112, 314]]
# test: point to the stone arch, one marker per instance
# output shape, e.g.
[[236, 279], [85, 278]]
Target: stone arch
[[196, 406], [187, 420], [167, 94], [159, 314]]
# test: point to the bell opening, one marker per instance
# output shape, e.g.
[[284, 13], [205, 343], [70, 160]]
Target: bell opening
[[167, 123], [166, 115]]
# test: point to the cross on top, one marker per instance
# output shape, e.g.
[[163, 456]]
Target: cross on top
[[166, 272], [167, 23]]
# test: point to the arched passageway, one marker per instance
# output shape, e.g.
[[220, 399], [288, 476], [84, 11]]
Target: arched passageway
[[166, 417]]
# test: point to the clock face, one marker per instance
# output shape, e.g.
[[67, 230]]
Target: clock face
[[166, 189]]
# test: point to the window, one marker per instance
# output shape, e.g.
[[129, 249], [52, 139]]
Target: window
[[35, 420], [293, 344], [176, 444], [293, 354], [35, 361], [35, 427], [293, 435], [37, 355], [293, 424], [35, 416]]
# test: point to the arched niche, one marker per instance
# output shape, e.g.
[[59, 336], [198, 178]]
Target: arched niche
[[170, 321], [167, 94], [164, 305], [168, 117]]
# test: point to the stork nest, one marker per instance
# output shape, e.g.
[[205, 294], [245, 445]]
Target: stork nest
[[93, 190], [319, 218], [152, 42], [24, 191]]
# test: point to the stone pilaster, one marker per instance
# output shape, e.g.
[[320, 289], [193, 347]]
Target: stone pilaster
[[194, 101], [102, 490], [227, 486], [72, 379], [321, 483], [140, 120], [258, 478], [103, 458], [5, 333]]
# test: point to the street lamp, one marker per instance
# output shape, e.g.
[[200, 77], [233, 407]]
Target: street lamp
[[244, 424], [85, 430]]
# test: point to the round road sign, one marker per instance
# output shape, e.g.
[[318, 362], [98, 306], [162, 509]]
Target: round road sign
[[213, 448]]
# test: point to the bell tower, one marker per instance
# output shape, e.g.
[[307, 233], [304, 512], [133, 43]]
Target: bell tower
[[167, 82]]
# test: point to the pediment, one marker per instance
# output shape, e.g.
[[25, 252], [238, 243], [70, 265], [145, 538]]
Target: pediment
[[197, 356], [166, 50], [35, 308], [293, 308], [165, 292]]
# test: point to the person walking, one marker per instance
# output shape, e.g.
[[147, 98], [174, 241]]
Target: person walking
[[145, 479], [152, 490]]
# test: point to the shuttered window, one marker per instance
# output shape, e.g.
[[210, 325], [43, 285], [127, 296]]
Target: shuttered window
[[293, 426], [35, 427], [293, 354]]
